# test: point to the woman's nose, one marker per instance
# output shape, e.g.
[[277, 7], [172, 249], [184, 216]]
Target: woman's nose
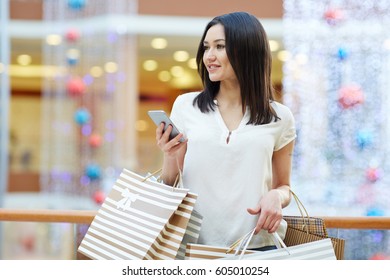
[[210, 55]]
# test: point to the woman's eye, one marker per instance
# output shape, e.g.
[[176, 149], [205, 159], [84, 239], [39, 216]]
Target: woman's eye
[[206, 47], [220, 46]]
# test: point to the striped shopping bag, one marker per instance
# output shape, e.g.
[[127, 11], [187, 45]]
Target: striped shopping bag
[[191, 235], [317, 250], [139, 219], [321, 249]]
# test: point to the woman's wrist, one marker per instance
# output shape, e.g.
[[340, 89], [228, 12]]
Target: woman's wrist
[[284, 195]]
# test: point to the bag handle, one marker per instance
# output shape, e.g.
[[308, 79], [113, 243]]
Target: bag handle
[[301, 209], [150, 175], [304, 214], [242, 243], [176, 184]]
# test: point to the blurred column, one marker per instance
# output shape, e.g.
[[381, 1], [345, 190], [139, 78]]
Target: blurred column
[[4, 103], [4, 97]]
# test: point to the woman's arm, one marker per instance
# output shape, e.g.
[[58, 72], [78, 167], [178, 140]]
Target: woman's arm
[[281, 172], [174, 152], [270, 206]]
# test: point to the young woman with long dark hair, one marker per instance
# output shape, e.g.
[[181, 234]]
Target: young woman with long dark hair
[[239, 141]]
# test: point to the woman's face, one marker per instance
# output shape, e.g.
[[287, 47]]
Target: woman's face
[[215, 58]]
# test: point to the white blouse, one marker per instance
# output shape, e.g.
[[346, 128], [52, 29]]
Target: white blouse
[[229, 176]]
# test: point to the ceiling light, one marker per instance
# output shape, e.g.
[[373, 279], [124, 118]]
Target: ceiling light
[[53, 39], [159, 43], [192, 63], [177, 71], [181, 56], [150, 65], [164, 76], [96, 71], [186, 81], [111, 67], [24, 59], [141, 125]]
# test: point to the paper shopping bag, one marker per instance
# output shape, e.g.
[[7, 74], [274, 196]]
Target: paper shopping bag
[[171, 238], [295, 237], [201, 252], [303, 229], [191, 234], [207, 252], [316, 250], [314, 225], [135, 219]]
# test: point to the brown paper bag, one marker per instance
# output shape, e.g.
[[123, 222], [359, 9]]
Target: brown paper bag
[[303, 229], [295, 237]]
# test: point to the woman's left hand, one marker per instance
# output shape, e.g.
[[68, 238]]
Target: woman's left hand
[[269, 211]]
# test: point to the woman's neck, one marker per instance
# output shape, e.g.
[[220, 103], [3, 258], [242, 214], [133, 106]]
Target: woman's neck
[[229, 95]]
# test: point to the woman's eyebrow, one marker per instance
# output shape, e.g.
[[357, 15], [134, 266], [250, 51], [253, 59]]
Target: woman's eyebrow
[[215, 41]]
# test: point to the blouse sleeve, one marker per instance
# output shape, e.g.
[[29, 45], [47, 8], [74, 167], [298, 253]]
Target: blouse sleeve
[[288, 132]]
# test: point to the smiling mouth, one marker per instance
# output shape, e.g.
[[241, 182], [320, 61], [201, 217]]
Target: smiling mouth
[[212, 67]]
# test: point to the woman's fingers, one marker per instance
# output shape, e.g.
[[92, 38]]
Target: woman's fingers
[[159, 131], [162, 136], [163, 142], [267, 220]]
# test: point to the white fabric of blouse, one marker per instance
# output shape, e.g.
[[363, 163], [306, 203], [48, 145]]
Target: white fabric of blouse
[[229, 177]]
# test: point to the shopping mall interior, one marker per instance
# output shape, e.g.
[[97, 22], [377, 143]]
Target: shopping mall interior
[[78, 78]]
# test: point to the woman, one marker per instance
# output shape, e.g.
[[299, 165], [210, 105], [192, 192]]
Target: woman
[[237, 156]]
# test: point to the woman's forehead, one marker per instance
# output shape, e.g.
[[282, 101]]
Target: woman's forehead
[[215, 32]]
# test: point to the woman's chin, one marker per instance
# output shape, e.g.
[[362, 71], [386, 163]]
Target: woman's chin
[[214, 79]]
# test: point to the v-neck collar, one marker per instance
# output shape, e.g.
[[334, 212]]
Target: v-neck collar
[[223, 125]]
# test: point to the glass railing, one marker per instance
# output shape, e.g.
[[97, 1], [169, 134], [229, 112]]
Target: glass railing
[[54, 234]]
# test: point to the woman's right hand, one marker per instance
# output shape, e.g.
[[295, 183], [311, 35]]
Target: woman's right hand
[[170, 148], [174, 152]]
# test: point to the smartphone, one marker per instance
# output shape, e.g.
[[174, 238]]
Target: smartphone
[[159, 116]]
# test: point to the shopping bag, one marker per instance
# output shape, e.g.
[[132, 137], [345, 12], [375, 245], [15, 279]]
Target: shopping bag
[[191, 225], [170, 239], [139, 219], [314, 225], [295, 237], [303, 229], [194, 222], [316, 250], [207, 252], [191, 234]]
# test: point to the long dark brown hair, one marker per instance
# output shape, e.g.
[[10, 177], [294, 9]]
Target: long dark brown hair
[[248, 51]]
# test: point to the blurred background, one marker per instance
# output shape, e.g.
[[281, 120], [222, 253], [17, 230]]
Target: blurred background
[[78, 77]]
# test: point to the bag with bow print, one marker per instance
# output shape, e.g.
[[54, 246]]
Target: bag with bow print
[[141, 219]]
